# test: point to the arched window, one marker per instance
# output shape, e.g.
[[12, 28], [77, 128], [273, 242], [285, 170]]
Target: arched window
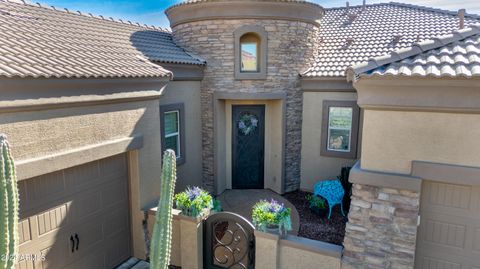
[[250, 52]]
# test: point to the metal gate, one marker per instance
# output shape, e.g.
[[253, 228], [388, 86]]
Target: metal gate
[[229, 242]]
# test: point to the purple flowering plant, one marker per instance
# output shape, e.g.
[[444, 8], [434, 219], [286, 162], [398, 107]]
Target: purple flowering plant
[[267, 214], [194, 201]]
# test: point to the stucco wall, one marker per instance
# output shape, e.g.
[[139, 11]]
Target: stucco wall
[[314, 166], [290, 49], [75, 115], [188, 93], [393, 139]]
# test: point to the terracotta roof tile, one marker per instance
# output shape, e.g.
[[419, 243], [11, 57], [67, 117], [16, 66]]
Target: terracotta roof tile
[[377, 30], [39, 41]]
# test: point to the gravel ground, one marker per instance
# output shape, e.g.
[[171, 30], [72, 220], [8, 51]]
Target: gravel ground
[[313, 226]]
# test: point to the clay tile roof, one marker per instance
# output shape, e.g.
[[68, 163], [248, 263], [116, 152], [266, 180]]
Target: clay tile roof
[[453, 55], [351, 38], [40, 41]]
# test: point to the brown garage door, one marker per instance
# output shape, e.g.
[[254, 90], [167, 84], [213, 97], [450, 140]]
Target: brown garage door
[[449, 232], [88, 205]]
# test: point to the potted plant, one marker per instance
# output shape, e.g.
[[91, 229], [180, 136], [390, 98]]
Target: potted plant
[[317, 204], [272, 216], [347, 186], [194, 202]]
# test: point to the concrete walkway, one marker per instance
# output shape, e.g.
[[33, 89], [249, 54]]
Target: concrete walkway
[[242, 201]]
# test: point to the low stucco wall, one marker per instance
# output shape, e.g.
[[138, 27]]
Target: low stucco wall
[[315, 167], [271, 252], [393, 139], [188, 93]]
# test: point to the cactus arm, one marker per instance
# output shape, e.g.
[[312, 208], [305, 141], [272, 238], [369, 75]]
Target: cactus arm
[[8, 207], [162, 231], [12, 197], [3, 210]]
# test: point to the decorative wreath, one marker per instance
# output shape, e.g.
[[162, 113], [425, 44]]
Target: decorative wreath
[[247, 123]]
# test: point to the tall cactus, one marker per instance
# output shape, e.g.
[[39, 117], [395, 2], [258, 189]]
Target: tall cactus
[[162, 232], [8, 206]]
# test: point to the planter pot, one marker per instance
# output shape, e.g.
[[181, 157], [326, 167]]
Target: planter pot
[[273, 229], [322, 212]]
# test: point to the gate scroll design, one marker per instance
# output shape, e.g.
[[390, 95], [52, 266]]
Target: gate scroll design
[[229, 242]]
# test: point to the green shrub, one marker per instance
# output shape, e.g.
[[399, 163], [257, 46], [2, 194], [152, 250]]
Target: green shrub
[[315, 201], [266, 214], [194, 201]]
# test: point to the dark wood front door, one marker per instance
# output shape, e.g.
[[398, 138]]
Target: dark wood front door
[[248, 146]]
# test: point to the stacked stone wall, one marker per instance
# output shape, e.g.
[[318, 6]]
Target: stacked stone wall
[[381, 229], [291, 49]]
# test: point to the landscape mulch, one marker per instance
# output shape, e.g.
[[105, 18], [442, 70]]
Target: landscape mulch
[[313, 226]]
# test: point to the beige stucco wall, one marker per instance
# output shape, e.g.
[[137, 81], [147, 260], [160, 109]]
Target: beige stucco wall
[[314, 166], [188, 93], [273, 142], [294, 252], [393, 139], [78, 115]]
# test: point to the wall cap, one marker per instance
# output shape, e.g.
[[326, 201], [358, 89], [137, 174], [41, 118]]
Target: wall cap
[[384, 179], [274, 10]]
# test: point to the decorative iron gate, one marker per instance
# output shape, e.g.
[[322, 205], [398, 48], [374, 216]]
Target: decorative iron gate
[[229, 242]]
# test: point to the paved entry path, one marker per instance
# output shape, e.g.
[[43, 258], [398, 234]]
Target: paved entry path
[[242, 201]]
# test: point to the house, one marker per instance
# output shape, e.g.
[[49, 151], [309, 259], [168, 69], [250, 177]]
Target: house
[[250, 94]]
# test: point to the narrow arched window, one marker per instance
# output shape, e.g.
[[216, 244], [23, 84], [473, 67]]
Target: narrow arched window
[[250, 50]]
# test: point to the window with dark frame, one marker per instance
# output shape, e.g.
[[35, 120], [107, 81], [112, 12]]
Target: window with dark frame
[[173, 130], [340, 123]]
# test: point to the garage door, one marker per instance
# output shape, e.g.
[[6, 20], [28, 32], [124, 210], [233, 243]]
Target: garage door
[[449, 232], [76, 218]]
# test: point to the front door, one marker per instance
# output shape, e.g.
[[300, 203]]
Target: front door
[[248, 146]]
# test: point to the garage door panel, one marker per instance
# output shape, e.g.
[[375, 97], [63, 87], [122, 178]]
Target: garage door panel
[[436, 263], [116, 165], [456, 199], [117, 252], [96, 209], [82, 176], [115, 193], [86, 204], [449, 232], [24, 232]]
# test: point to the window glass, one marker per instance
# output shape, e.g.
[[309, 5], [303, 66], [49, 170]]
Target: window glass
[[339, 128], [171, 122], [172, 134], [249, 44]]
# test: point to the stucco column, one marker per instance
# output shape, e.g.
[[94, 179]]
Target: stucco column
[[191, 242], [266, 250]]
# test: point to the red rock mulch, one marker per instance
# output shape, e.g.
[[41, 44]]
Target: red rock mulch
[[313, 226]]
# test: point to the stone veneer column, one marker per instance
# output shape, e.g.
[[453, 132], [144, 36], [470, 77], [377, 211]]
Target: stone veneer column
[[293, 34], [381, 229]]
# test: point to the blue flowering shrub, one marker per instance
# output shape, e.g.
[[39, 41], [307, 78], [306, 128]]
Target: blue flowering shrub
[[271, 214], [194, 201]]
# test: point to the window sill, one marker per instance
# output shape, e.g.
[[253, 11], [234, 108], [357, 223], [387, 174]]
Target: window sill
[[250, 76]]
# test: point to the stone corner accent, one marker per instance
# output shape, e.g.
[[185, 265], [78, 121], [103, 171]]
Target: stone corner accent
[[382, 228]]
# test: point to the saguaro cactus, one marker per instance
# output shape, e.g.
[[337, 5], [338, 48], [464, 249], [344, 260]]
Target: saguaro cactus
[[8, 206], [162, 232]]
